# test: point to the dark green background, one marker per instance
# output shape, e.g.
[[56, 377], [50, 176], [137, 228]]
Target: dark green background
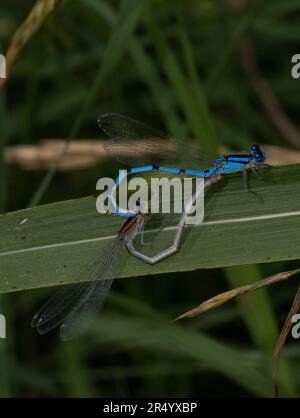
[[175, 65]]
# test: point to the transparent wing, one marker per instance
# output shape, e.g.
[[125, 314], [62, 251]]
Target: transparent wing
[[72, 304], [133, 143], [55, 310]]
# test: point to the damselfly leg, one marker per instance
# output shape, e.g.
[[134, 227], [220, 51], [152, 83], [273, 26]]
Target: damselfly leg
[[174, 247]]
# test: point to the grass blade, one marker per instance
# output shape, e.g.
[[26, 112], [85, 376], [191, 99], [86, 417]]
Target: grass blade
[[50, 244], [33, 22], [116, 48]]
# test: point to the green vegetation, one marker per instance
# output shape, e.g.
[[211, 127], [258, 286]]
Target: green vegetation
[[187, 68]]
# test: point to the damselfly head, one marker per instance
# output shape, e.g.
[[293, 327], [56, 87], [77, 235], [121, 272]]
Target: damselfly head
[[258, 153], [131, 227]]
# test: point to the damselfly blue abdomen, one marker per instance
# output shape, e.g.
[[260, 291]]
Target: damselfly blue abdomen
[[147, 149]]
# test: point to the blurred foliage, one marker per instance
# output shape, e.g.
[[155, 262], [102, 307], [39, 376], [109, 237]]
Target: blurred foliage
[[176, 66]]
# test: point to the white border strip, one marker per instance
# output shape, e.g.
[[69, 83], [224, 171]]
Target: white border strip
[[170, 228]]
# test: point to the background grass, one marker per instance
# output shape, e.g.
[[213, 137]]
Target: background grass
[[176, 66]]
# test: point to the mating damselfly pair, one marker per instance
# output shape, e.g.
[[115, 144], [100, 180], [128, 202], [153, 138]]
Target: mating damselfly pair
[[147, 150]]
